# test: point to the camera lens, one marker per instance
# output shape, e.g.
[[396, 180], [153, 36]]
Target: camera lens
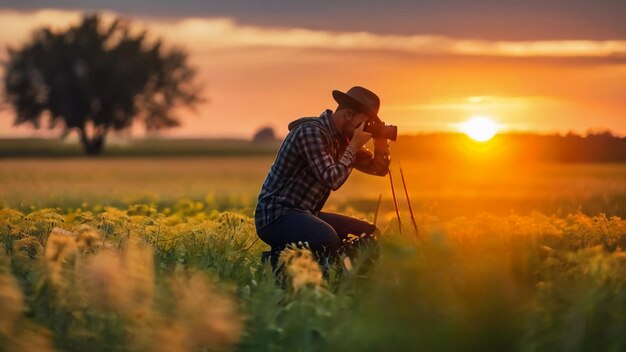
[[391, 132]]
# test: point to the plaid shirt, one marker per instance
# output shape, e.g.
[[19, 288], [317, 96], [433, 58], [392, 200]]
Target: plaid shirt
[[313, 159]]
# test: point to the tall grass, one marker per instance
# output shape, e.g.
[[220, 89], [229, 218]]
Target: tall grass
[[189, 278]]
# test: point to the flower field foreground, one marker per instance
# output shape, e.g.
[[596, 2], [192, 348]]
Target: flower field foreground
[[188, 279]]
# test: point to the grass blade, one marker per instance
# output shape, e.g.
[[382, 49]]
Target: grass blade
[[408, 201], [395, 201]]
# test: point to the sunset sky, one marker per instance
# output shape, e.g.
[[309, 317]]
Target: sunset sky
[[540, 66]]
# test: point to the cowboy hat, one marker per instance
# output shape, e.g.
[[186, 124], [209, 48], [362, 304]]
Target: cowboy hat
[[361, 99]]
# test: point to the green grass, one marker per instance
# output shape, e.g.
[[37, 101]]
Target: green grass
[[162, 254], [188, 278]]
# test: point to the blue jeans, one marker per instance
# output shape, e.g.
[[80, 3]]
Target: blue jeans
[[325, 234]]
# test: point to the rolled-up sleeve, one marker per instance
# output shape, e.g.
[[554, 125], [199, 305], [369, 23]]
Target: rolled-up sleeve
[[314, 146]]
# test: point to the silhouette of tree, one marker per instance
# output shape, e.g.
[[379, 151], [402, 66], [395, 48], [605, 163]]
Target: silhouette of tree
[[264, 134], [98, 75]]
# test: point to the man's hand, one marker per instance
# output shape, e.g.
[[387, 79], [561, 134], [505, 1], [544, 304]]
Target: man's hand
[[360, 137], [376, 163]]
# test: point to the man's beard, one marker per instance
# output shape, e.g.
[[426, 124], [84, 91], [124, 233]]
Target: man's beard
[[348, 130]]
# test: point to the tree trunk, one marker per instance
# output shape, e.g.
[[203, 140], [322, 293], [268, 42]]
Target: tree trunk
[[95, 145]]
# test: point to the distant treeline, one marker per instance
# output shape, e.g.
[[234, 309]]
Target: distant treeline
[[150, 147], [445, 147], [603, 147]]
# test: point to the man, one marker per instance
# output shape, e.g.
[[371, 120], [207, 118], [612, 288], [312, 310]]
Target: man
[[317, 156]]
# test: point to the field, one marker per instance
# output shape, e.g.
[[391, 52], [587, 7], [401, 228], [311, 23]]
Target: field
[[160, 253], [441, 189]]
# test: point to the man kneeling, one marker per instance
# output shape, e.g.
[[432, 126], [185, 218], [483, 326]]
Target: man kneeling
[[316, 157]]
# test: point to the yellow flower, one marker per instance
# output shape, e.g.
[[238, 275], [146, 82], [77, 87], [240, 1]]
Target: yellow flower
[[26, 252], [301, 268], [122, 282], [87, 238], [205, 318], [61, 244], [11, 303], [27, 248]]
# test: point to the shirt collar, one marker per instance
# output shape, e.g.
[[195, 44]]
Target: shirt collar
[[328, 120]]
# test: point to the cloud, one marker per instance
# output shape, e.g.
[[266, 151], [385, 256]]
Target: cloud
[[259, 75], [486, 19], [200, 34], [18, 26], [471, 103], [226, 33]]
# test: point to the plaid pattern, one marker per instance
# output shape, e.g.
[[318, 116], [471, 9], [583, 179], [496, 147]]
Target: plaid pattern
[[312, 160]]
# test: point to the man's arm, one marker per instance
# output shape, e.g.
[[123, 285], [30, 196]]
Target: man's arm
[[376, 163], [313, 144]]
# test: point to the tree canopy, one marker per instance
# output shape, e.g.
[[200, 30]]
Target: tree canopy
[[264, 134], [101, 75]]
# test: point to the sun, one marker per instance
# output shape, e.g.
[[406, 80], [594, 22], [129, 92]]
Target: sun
[[479, 128]]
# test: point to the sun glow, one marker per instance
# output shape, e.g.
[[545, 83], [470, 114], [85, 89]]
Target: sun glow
[[479, 128]]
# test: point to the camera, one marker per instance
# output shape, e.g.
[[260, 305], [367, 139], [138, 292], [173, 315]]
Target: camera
[[380, 130]]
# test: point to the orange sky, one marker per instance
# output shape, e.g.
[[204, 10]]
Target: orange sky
[[255, 75]]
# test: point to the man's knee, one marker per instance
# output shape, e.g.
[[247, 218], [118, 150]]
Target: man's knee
[[364, 235], [327, 240], [320, 236], [367, 228]]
